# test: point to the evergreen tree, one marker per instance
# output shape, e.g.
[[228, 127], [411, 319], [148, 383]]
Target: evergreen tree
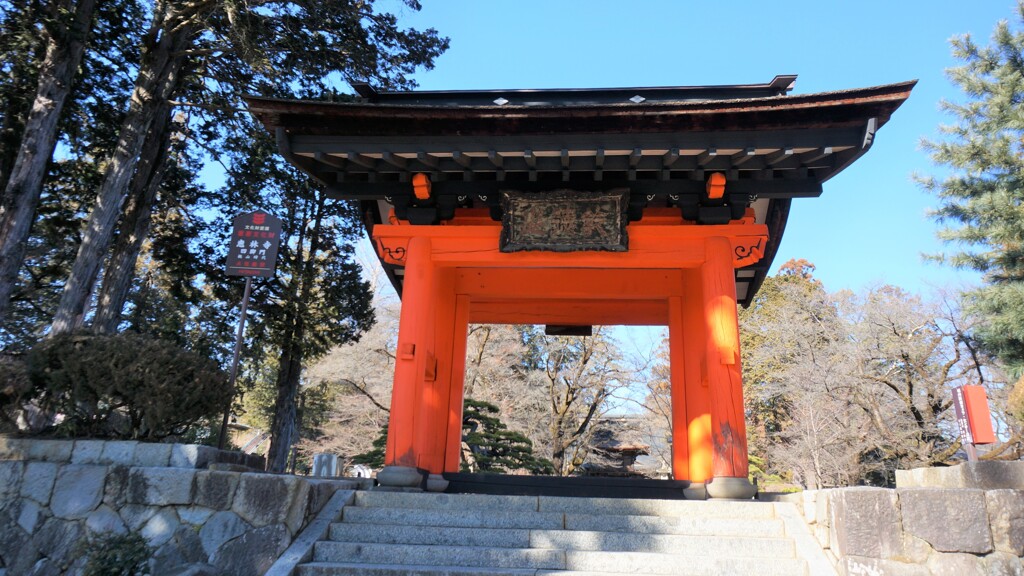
[[982, 199], [492, 447], [66, 27], [87, 132], [236, 49], [317, 299]]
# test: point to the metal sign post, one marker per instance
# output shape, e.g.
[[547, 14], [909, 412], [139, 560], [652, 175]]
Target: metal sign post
[[255, 238]]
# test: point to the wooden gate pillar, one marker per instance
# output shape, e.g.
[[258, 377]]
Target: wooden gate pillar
[[413, 353], [725, 381], [426, 400]]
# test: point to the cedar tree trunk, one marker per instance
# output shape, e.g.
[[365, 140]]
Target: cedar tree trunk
[[134, 228], [158, 77], [64, 50]]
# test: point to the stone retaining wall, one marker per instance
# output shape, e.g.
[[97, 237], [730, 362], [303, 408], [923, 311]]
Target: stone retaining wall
[[55, 494], [919, 531]]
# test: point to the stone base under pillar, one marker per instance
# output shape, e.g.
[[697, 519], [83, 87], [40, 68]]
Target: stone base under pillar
[[696, 491], [402, 477], [436, 483], [730, 488]]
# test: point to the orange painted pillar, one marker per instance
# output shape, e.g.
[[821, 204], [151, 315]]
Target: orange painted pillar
[[453, 437], [439, 373], [414, 348], [677, 367], [697, 432], [728, 429]]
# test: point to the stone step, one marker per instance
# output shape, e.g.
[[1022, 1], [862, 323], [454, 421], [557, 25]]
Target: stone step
[[759, 527], [473, 556], [653, 563], [688, 545], [432, 501], [348, 569], [584, 561], [430, 535], [692, 545], [755, 527], [644, 507], [701, 567], [628, 506], [453, 518]]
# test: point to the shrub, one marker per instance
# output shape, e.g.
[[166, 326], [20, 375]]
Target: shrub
[[14, 384], [123, 386], [116, 555]]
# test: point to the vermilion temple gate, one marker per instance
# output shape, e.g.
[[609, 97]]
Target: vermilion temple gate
[[649, 206]]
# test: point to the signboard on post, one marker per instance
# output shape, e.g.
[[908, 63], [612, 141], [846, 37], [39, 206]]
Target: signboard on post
[[972, 418], [252, 251]]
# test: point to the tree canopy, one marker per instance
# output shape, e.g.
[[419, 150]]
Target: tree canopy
[[981, 189]]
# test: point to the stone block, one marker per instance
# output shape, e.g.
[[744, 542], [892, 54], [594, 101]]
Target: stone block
[[862, 566], [104, 520], [254, 552], [231, 457], [115, 493], [161, 527], [808, 499], [45, 567], [950, 520], [941, 477], [263, 499], [58, 540], [187, 540], [77, 491], [220, 528], [993, 475], [160, 486], [321, 491], [195, 570], [1003, 564], [87, 452], [167, 559], [18, 553], [135, 516], [228, 467], [956, 565], [12, 448], [984, 475], [120, 452], [1006, 520], [11, 472], [38, 481], [821, 511], [49, 450], [191, 456], [915, 550], [150, 455], [865, 522], [214, 489], [194, 515], [29, 516], [255, 461], [182, 551]]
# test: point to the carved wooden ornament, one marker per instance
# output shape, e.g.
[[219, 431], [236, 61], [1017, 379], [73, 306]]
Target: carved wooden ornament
[[564, 221]]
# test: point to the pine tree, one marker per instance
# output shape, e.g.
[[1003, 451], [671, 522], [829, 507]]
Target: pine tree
[[982, 199], [492, 446]]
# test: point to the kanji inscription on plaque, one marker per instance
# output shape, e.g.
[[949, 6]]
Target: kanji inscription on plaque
[[564, 221], [255, 237]]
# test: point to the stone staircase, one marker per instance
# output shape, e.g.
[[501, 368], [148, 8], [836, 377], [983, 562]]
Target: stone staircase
[[401, 533]]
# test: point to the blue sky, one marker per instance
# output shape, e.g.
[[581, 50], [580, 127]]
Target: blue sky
[[870, 225]]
